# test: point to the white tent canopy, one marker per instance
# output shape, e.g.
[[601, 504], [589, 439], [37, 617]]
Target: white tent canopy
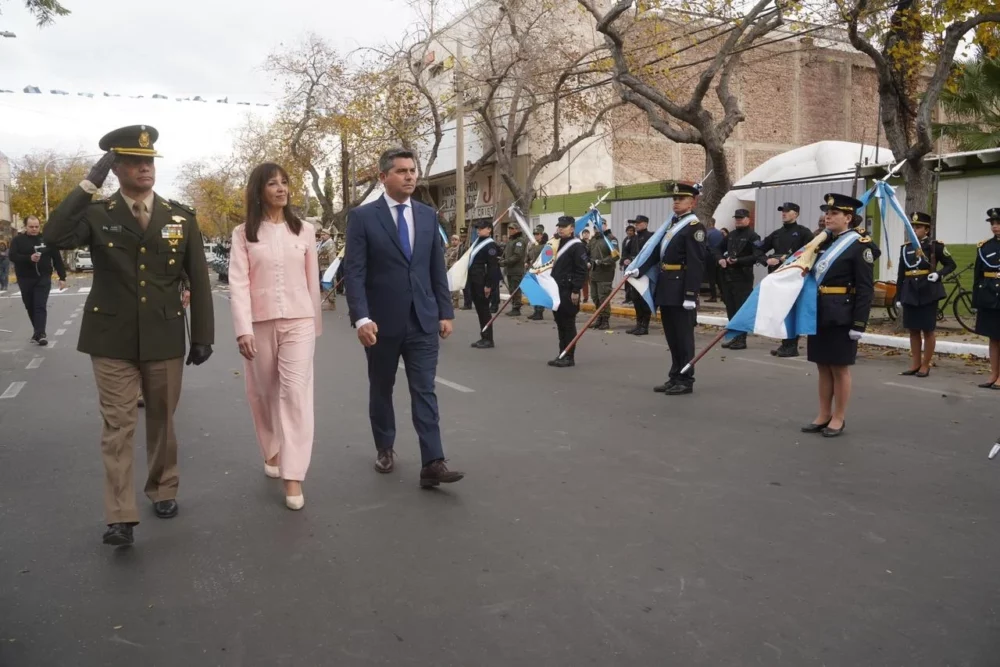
[[813, 161]]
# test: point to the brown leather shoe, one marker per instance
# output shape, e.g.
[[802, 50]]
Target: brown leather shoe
[[383, 462], [437, 472]]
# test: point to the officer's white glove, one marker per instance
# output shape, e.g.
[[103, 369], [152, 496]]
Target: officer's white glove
[[899, 304], [855, 335], [632, 273], [689, 305], [934, 277]]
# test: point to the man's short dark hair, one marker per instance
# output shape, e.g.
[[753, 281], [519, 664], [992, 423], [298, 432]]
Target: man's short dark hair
[[632, 227], [388, 158]]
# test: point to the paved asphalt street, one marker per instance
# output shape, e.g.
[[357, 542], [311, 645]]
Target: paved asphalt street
[[600, 523]]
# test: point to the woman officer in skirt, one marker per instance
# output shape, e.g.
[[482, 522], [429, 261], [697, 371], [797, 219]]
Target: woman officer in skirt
[[920, 289], [986, 295], [843, 271]]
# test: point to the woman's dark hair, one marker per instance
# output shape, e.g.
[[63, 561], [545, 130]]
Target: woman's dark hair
[[256, 185]]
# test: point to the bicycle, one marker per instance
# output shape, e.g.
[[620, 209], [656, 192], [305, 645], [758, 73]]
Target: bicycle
[[959, 297]]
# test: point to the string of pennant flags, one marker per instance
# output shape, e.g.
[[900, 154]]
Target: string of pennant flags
[[35, 90]]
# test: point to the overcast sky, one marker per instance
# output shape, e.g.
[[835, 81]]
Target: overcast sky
[[178, 48]]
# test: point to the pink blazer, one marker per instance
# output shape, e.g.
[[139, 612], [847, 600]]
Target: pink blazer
[[275, 278]]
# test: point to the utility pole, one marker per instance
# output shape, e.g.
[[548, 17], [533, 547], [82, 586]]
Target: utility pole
[[459, 143], [345, 177]]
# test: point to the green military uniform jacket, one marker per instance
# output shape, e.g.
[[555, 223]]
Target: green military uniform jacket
[[603, 260], [514, 254], [134, 309]]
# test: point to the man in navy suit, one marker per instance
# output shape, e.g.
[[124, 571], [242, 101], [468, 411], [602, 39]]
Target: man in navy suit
[[397, 294]]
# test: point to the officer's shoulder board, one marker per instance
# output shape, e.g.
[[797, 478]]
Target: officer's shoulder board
[[183, 207], [865, 239], [982, 243]]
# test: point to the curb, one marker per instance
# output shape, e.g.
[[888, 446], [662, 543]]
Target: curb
[[878, 340]]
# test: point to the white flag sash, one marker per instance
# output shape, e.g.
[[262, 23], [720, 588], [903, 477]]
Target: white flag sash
[[477, 247], [677, 226]]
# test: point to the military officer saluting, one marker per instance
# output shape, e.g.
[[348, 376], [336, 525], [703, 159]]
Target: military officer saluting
[[681, 259], [986, 294], [133, 323], [514, 254], [920, 289]]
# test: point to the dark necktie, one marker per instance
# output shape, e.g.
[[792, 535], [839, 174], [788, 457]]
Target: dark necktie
[[404, 230]]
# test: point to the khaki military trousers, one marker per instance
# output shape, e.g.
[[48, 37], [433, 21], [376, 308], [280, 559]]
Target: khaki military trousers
[[118, 382]]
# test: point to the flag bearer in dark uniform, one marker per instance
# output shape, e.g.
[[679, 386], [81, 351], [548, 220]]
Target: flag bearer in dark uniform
[[629, 251], [920, 289], [604, 254], [986, 295], [843, 269], [736, 264], [681, 259], [484, 272], [541, 238], [514, 254], [642, 312], [133, 323], [569, 270], [783, 243]]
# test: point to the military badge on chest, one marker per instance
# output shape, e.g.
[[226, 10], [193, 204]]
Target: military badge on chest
[[173, 232]]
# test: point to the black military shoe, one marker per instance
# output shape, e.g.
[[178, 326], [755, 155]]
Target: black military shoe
[[535, 316], [661, 388], [565, 362], [483, 344], [679, 389], [514, 313], [728, 344], [43, 340], [739, 343], [166, 509], [641, 331], [602, 324], [787, 351], [119, 535]]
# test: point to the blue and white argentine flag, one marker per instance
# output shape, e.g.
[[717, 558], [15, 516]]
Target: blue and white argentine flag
[[331, 272], [537, 284]]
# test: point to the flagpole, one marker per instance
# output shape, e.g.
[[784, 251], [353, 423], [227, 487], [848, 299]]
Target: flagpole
[[715, 341], [593, 317], [501, 309]]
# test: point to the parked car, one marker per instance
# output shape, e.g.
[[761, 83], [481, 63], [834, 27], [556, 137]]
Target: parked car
[[83, 262]]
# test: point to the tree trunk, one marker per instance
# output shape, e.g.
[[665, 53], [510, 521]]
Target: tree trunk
[[716, 186], [918, 187]]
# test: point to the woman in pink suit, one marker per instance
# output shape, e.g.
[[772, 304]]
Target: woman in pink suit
[[274, 292]]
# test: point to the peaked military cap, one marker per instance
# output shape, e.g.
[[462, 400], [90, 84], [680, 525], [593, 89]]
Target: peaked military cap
[[838, 202], [684, 190], [131, 140], [485, 223], [565, 221], [741, 213], [920, 218], [993, 215], [641, 218], [539, 229], [789, 206]]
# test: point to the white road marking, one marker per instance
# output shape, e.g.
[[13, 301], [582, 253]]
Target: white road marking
[[67, 323], [765, 363], [13, 390], [52, 343], [59, 291], [448, 383], [83, 290], [60, 332], [35, 363], [929, 390]]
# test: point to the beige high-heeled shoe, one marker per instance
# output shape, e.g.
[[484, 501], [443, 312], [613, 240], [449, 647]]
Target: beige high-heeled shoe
[[274, 472], [295, 502]]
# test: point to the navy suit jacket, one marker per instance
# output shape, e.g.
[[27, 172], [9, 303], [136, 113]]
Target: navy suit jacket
[[381, 284]]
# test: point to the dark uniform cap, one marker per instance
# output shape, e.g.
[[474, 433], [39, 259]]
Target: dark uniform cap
[[921, 218], [566, 221], [838, 202], [741, 213], [789, 206], [993, 215], [641, 218], [131, 140], [684, 190], [485, 223], [539, 229]]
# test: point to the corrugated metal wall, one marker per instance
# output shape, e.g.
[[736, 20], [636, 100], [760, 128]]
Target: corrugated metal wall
[[808, 196]]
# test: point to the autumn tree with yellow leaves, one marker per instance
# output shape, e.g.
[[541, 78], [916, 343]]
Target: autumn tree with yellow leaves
[[27, 196]]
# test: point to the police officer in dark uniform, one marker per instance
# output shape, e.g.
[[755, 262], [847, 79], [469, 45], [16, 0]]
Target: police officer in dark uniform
[[569, 271], [919, 283], [783, 243], [736, 264], [642, 312], [986, 295], [484, 273], [134, 322], [843, 269], [629, 251], [514, 254], [681, 260]]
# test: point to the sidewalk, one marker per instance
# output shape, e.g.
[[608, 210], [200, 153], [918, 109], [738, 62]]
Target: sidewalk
[[951, 338]]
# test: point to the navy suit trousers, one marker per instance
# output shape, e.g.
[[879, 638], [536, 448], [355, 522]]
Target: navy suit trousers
[[419, 351]]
